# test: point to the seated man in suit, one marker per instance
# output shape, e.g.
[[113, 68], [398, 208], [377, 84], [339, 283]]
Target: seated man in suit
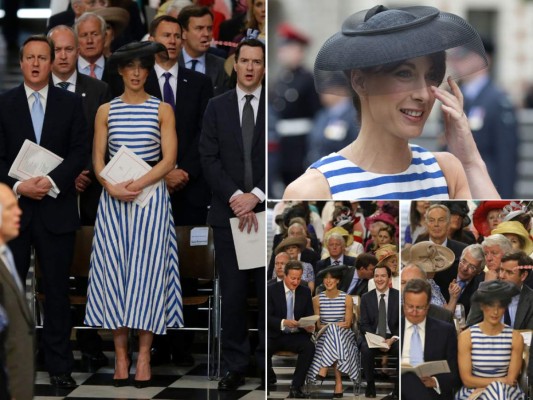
[[426, 339], [413, 271], [379, 315], [336, 245], [519, 314], [288, 301], [279, 267], [470, 265]]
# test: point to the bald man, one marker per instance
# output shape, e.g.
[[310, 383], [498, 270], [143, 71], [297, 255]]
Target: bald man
[[20, 333]]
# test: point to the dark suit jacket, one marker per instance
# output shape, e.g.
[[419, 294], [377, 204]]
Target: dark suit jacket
[[221, 152], [440, 313], [63, 18], [469, 290], [441, 344], [444, 278], [65, 134], [360, 289], [20, 337], [326, 262], [370, 312], [214, 69], [192, 94], [524, 311], [277, 306]]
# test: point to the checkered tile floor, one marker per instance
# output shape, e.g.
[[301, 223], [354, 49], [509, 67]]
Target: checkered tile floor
[[169, 382]]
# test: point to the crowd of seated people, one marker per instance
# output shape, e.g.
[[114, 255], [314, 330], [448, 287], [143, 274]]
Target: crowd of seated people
[[352, 293], [473, 282]]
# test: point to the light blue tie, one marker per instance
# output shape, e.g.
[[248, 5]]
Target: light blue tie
[[290, 308], [7, 258], [353, 283], [416, 355], [37, 116]]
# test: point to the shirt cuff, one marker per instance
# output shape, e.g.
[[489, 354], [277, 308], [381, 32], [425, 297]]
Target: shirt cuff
[[15, 187], [282, 327], [259, 194], [237, 192], [55, 189], [437, 388]]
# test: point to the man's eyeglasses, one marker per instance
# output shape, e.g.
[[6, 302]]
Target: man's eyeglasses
[[469, 266]]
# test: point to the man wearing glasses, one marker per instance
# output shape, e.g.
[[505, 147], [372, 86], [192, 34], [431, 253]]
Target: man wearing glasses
[[461, 288], [426, 339]]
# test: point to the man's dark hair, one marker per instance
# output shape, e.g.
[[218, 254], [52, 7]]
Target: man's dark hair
[[418, 286], [521, 258], [293, 264], [389, 272], [189, 12], [38, 38], [363, 260], [155, 23], [251, 43]]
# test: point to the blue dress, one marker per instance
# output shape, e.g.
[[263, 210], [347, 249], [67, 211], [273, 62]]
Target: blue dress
[[134, 278], [335, 344], [490, 359], [422, 179]]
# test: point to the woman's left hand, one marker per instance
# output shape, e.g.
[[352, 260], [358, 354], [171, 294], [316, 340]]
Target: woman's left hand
[[459, 137], [134, 187], [342, 324]]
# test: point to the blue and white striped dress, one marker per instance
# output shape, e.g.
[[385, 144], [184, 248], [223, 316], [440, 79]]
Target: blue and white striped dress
[[490, 359], [422, 179], [134, 278], [335, 344]]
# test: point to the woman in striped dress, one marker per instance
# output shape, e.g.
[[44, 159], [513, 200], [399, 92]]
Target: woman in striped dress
[[336, 345], [490, 353], [392, 62], [134, 278]]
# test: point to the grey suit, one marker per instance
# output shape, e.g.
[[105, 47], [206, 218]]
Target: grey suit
[[214, 69], [19, 339], [524, 311]]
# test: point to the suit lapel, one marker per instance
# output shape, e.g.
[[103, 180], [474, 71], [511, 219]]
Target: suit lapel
[[260, 120], [21, 300], [152, 85], [22, 110], [521, 309], [53, 110], [234, 118]]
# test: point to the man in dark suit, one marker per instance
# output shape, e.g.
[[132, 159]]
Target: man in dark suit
[[93, 93], [54, 118], [438, 219], [91, 32], [355, 280], [426, 339], [191, 91], [233, 160], [188, 93], [379, 315], [336, 246], [519, 314], [413, 271], [281, 260], [465, 284], [283, 330], [20, 334], [197, 25]]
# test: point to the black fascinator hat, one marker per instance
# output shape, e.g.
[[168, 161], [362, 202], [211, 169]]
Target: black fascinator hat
[[145, 51], [490, 292], [382, 36]]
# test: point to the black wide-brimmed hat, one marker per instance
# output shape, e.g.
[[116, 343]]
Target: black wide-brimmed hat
[[382, 36], [334, 270], [134, 50], [491, 291], [459, 208]]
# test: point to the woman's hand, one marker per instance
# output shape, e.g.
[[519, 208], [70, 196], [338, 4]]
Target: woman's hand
[[122, 191], [343, 324]]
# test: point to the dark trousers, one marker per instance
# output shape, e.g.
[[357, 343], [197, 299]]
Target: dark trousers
[[298, 343], [54, 253], [368, 358], [234, 288], [414, 389]]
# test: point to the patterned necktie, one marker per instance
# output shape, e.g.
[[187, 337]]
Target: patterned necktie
[[63, 85], [336, 262], [7, 258], [168, 94], [416, 355], [37, 116], [248, 126], [193, 64], [92, 72], [382, 317]]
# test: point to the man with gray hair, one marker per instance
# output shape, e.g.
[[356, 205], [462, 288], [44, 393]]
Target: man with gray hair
[[465, 284], [91, 30], [494, 247], [438, 219], [336, 245]]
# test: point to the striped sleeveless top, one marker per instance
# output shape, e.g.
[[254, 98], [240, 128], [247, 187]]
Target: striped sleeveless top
[[491, 354], [422, 179]]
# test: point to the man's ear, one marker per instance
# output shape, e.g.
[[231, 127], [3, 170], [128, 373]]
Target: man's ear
[[357, 82]]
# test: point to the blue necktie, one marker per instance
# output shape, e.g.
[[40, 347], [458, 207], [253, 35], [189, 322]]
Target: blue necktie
[[168, 94], [290, 308], [193, 64], [353, 284], [415, 352], [37, 117]]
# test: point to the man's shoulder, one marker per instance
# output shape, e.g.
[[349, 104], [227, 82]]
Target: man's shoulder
[[215, 60], [438, 324], [527, 293], [92, 83], [8, 94], [454, 244], [223, 98], [368, 295]]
